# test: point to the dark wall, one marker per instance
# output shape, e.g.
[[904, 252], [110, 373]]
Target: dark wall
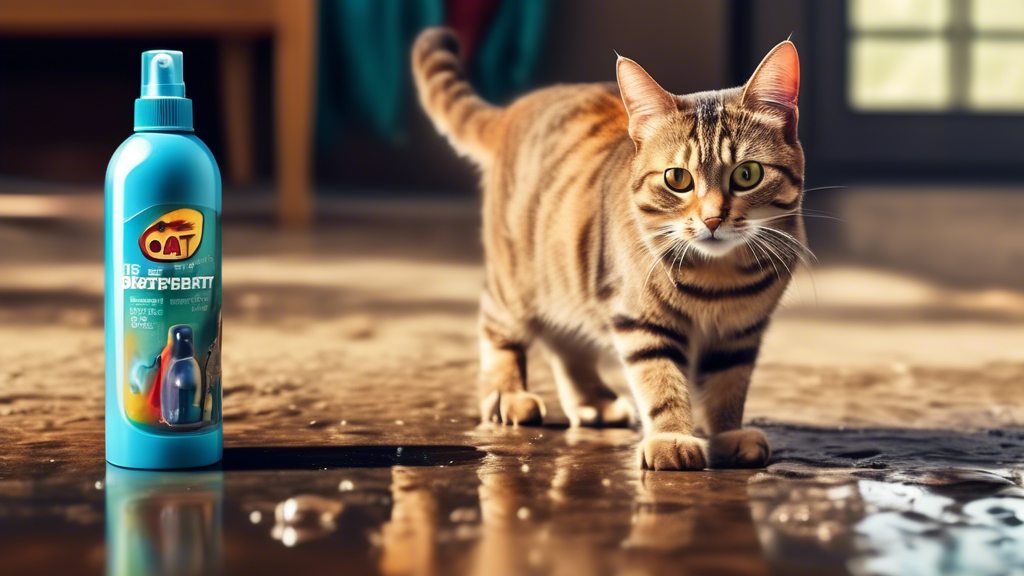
[[682, 44]]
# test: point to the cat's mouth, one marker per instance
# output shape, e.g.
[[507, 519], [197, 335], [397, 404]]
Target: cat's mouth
[[716, 246]]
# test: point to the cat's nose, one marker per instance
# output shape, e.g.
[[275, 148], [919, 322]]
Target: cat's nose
[[713, 224]]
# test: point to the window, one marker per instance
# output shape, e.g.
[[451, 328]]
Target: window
[[936, 56]]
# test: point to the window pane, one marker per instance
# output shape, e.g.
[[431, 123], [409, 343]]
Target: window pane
[[998, 15], [876, 15], [899, 74], [997, 75]]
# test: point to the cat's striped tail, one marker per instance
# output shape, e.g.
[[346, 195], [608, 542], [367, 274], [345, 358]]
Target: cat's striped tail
[[452, 104]]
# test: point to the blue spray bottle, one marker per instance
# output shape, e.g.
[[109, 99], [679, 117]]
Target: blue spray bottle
[[163, 283]]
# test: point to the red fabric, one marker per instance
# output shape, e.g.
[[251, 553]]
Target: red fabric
[[158, 382], [470, 19]]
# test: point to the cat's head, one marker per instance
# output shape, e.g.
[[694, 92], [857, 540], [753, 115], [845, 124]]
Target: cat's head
[[711, 168]]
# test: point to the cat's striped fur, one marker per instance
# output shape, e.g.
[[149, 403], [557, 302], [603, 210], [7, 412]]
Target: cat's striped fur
[[587, 248]]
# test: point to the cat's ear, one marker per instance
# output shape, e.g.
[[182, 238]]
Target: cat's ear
[[644, 99], [775, 85]]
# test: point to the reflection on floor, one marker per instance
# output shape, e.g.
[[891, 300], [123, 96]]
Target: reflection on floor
[[895, 406]]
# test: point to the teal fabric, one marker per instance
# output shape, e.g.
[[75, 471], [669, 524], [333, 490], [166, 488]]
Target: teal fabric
[[364, 78], [510, 51]]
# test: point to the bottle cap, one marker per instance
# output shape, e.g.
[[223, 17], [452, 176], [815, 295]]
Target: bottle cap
[[162, 105], [181, 341]]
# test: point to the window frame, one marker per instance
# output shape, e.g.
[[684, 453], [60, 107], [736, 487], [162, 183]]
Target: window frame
[[873, 145], [960, 35]]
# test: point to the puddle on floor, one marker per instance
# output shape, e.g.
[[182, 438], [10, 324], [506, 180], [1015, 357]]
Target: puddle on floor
[[539, 501], [326, 458]]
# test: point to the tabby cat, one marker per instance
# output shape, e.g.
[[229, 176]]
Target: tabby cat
[[625, 217]]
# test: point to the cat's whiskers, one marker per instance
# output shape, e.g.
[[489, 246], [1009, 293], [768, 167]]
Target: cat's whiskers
[[781, 248], [746, 242], [776, 248], [679, 259], [796, 249], [825, 188], [792, 214], [682, 255], [759, 242], [792, 240], [659, 256], [655, 244], [791, 243], [801, 248], [675, 247], [663, 233]]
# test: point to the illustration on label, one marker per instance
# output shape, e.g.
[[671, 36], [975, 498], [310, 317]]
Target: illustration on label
[[171, 284]]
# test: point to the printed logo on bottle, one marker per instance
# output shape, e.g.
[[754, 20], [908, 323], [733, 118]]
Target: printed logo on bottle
[[173, 237]]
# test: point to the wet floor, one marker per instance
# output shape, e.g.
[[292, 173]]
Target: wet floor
[[538, 501], [352, 445]]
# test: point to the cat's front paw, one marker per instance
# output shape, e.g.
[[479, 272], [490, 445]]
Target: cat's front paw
[[520, 409], [672, 451], [605, 413], [745, 448]]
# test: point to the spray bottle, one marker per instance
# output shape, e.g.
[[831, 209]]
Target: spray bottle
[[163, 283]]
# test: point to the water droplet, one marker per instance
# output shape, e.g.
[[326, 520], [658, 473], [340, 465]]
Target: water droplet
[[289, 536], [288, 510], [535, 557], [400, 422], [344, 422], [399, 450], [525, 468], [523, 513], [606, 482], [346, 486], [99, 484], [305, 517], [255, 517], [464, 514], [312, 422], [466, 531]]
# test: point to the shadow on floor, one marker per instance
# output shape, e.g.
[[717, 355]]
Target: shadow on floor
[[329, 457]]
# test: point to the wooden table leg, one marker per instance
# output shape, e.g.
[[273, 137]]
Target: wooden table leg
[[294, 67], [236, 80]]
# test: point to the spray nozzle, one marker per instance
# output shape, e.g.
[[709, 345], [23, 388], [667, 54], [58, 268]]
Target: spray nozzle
[[161, 74]]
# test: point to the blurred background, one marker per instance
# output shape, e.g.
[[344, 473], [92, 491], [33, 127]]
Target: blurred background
[[309, 107], [342, 205]]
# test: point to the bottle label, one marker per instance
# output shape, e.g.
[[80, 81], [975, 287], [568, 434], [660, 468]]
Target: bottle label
[[172, 318]]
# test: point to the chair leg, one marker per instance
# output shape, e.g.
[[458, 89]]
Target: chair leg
[[236, 78], [294, 66]]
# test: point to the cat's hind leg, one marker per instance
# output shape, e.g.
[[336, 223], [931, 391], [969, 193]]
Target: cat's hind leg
[[585, 398], [502, 380]]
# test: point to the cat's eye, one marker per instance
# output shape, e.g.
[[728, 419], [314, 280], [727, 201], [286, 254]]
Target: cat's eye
[[746, 176], [679, 179]]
